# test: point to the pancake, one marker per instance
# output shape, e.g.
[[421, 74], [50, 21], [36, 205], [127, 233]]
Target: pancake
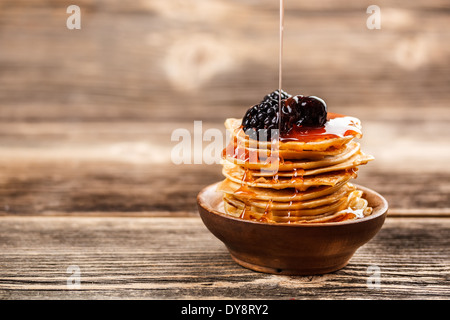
[[352, 206], [295, 204], [291, 213], [301, 183], [256, 160], [298, 169], [234, 127], [280, 195]]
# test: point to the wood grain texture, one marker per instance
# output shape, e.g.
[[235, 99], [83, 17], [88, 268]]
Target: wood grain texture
[[159, 258], [86, 115], [127, 60], [114, 188], [61, 168]]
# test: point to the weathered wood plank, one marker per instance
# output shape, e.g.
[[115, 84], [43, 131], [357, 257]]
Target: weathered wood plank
[[68, 187], [86, 115], [56, 167], [176, 258], [136, 58]]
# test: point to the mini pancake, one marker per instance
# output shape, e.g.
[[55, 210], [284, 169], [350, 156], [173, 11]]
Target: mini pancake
[[281, 195], [356, 160], [253, 162], [268, 216], [240, 151], [351, 207], [234, 126], [291, 212], [296, 205], [300, 183]]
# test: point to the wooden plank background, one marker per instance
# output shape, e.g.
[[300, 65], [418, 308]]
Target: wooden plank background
[[167, 258], [86, 118], [87, 114]]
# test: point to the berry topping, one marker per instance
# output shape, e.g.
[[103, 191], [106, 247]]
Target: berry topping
[[275, 96], [309, 111], [301, 111], [263, 117]]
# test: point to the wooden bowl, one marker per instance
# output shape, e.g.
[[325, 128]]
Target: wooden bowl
[[290, 249]]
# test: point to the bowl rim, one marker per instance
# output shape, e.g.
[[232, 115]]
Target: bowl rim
[[380, 212]]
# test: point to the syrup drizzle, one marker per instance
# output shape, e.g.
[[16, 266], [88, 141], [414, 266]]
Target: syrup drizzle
[[280, 73], [267, 212], [280, 62], [244, 190]]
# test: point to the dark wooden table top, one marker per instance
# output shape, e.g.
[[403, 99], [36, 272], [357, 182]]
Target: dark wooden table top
[[86, 118]]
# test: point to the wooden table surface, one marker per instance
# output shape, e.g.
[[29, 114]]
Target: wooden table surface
[[86, 118]]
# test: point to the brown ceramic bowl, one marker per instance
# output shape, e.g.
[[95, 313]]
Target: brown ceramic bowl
[[291, 249]]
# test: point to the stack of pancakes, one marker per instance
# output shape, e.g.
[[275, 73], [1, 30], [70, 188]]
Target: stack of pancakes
[[293, 180]]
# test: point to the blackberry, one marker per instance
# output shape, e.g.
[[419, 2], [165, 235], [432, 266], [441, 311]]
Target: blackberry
[[302, 111], [275, 96], [260, 120], [263, 117]]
